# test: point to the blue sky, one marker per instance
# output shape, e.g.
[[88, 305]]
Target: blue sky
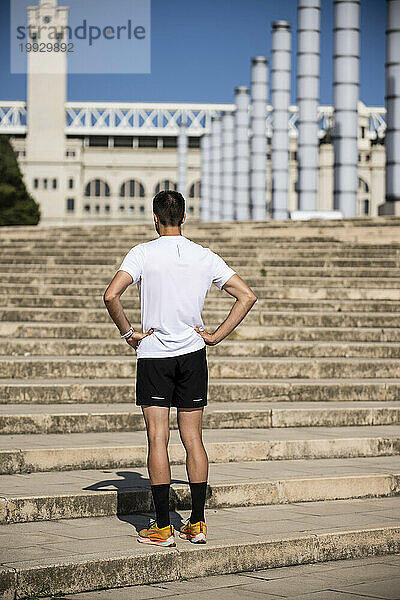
[[201, 50]]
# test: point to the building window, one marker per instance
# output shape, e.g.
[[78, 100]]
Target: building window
[[123, 142], [45, 184], [70, 204], [132, 208], [132, 188], [367, 157], [194, 142], [191, 209], [165, 184], [142, 209], [54, 184], [70, 153], [149, 141], [97, 208], [363, 185], [363, 132], [366, 207], [99, 141], [170, 142], [195, 190], [87, 207], [97, 188], [36, 183], [107, 208], [121, 208], [70, 184]]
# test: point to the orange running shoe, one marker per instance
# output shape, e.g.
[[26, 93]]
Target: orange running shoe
[[163, 536], [194, 532]]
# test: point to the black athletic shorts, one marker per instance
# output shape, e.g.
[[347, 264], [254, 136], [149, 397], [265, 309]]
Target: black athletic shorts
[[179, 381]]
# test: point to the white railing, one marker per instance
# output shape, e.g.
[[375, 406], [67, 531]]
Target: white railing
[[13, 117], [137, 118]]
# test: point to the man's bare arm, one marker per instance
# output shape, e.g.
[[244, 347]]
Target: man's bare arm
[[245, 299], [112, 300]]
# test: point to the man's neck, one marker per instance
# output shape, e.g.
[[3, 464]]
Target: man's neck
[[170, 231]]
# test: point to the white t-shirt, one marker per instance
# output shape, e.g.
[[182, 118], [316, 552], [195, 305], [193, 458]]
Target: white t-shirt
[[173, 275]]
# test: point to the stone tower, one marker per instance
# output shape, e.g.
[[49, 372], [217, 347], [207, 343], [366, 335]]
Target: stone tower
[[46, 96]]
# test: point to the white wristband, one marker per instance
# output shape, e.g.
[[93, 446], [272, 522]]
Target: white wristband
[[128, 333]]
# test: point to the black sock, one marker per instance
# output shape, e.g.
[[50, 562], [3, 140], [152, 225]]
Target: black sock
[[161, 503], [198, 492]]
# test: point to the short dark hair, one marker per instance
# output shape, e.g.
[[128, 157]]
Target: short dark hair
[[169, 206]]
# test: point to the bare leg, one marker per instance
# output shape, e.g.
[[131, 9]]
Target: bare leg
[[157, 424], [189, 423]]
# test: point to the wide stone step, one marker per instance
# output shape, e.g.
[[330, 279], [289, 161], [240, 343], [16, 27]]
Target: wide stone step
[[273, 367], [252, 266], [319, 292], [69, 332], [9, 346], [212, 318], [64, 418], [254, 282], [111, 391], [58, 452], [79, 494], [249, 271], [270, 256], [270, 292], [211, 304], [64, 557]]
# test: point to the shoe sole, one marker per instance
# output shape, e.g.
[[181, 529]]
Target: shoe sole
[[167, 544], [200, 538]]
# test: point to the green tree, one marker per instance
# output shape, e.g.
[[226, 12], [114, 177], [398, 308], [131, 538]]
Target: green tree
[[17, 207]]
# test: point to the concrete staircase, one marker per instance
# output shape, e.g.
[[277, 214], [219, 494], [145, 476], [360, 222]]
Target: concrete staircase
[[302, 427]]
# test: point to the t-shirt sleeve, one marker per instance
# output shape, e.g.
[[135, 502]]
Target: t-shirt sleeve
[[221, 272], [133, 263]]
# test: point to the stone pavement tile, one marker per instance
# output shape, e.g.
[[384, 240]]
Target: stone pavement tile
[[360, 574], [331, 565], [99, 544], [388, 589], [21, 540], [347, 520], [199, 584], [343, 506], [332, 595], [140, 592], [394, 559], [10, 555], [230, 593], [287, 587]]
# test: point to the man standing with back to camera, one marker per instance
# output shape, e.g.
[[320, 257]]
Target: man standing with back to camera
[[174, 275]]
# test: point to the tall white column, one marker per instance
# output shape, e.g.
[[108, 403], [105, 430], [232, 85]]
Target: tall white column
[[308, 34], [182, 158], [345, 101], [205, 177], [258, 160], [392, 98], [215, 196], [242, 154], [280, 96], [227, 178]]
